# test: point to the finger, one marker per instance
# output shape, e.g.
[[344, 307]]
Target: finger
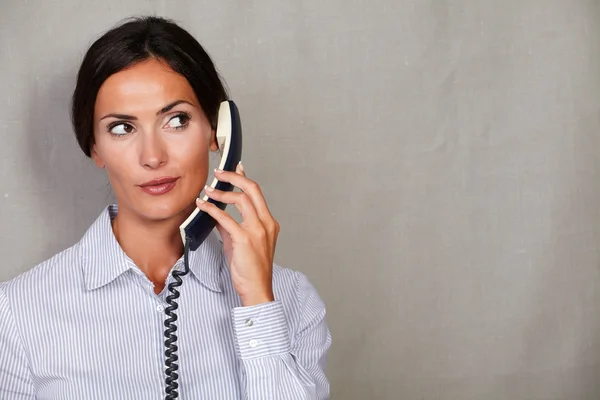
[[222, 218], [247, 186], [241, 201], [222, 232], [225, 236], [240, 169]]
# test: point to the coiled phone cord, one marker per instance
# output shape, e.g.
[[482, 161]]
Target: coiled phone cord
[[170, 336]]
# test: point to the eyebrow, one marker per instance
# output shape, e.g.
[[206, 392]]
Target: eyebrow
[[163, 110]]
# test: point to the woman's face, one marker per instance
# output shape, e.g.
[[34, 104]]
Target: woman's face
[[153, 138]]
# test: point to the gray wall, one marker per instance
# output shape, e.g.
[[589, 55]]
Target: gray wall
[[434, 166]]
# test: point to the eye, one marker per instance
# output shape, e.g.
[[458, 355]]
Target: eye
[[120, 128], [179, 121]]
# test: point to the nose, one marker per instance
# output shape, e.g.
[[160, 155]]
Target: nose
[[153, 152]]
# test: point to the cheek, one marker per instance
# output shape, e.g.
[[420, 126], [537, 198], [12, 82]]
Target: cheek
[[117, 174], [193, 156], [194, 162], [117, 164]]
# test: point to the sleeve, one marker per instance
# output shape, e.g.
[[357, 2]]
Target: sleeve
[[279, 365], [15, 377]]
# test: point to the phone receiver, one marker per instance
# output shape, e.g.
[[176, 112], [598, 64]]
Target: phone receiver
[[199, 224], [195, 229]]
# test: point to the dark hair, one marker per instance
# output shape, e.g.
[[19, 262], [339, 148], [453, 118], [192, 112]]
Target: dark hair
[[131, 41]]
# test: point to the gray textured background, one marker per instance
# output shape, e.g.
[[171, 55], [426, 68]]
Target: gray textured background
[[433, 164]]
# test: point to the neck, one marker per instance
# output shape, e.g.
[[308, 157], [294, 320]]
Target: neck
[[154, 246]]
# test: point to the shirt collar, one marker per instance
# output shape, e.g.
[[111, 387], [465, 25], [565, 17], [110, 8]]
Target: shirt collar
[[103, 259]]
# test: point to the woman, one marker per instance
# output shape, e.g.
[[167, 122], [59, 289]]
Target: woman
[[88, 323]]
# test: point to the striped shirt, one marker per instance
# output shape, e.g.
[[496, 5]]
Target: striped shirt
[[87, 324]]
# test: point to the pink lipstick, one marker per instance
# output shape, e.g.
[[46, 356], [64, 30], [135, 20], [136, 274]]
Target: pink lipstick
[[159, 186]]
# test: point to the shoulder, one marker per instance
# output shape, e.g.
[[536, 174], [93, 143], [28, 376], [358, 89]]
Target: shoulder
[[46, 277], [30, 297]]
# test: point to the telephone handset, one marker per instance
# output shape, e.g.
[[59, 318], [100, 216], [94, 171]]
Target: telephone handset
[[196, 228], [229, 137]]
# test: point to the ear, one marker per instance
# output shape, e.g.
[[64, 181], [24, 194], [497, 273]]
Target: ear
[[214, 145], [96, 157]]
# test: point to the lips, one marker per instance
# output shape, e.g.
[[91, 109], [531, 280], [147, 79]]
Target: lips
[[160, 186]]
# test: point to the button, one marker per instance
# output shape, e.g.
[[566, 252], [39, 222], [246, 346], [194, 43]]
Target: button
[[253, 343], [249, 322], [160, 308]]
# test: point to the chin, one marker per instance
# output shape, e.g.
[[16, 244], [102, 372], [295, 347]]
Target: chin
[[175, 206], [166, 211]]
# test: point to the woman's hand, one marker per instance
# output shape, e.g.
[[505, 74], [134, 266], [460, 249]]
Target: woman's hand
[[249, 246]]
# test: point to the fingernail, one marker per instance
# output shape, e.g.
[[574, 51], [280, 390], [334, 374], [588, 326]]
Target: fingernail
[[209, 188], [200, 201], [241, 166], [218, 171]]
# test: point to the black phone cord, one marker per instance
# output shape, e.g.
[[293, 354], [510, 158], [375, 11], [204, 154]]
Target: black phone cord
[[170, 328]]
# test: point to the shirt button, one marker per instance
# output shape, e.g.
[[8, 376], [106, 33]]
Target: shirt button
[[249, 322], [253, 343], [160, 308]]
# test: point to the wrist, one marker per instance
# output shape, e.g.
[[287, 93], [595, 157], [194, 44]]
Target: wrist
[[258, 298]]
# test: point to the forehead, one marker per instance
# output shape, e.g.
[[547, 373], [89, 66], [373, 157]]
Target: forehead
[[144, 87]]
